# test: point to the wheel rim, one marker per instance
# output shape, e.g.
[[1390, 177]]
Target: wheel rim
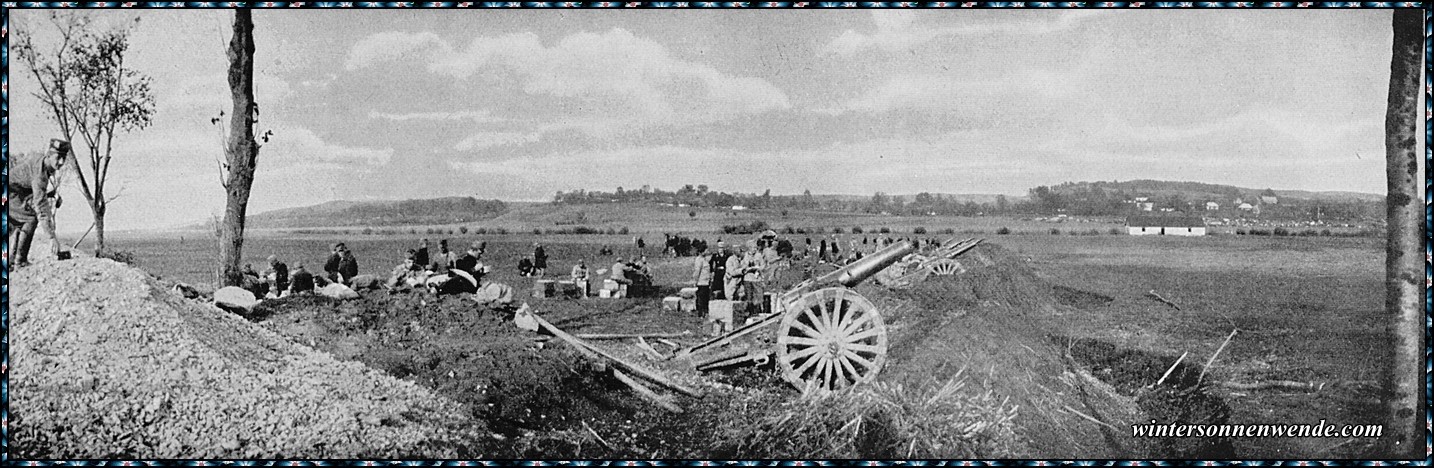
[[831, 338], [945, 267]]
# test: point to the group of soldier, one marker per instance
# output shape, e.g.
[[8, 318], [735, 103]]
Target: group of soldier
[[738, 272], [442, 272]]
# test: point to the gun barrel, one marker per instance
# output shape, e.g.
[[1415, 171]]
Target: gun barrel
[[860, 270]]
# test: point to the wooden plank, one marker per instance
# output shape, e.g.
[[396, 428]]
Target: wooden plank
[[641, 343], [724, 339], [754, 357], [646, 392], [630, 367], [626, 336], [1279, 384]]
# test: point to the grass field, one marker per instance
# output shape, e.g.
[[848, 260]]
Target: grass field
[[1307, 309]]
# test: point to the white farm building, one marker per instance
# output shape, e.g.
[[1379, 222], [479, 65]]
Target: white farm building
[[1165, 225]]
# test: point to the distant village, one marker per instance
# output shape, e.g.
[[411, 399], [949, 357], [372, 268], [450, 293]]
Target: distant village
[[1151, 217]]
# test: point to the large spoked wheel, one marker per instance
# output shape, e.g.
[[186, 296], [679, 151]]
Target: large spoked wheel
[[831, 338], [946, 267]]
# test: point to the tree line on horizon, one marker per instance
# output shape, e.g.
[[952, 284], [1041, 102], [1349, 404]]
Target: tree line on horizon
[[1070, 198]]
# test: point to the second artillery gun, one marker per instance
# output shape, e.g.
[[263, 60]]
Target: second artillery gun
[[827, 335]]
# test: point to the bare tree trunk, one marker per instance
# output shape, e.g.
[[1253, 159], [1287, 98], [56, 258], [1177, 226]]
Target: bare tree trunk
[[1404, 268], [100, 232], [241, 150]]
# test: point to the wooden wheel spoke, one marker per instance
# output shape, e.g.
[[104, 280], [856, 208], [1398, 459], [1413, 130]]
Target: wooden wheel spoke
[[793, 356], [824, 315], [820, 329], [854, 357], [850, 369], [864, 348], [874, 332], [855, 324], [802, 369], [813, 342], [838, 374], [802, 327], [839, 306], [827, 372]]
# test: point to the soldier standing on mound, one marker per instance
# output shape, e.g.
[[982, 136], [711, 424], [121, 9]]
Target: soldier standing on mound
[[34, 195]]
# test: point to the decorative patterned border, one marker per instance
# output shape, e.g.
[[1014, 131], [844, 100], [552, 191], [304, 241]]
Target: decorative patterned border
[[5, 261], [659, 5]]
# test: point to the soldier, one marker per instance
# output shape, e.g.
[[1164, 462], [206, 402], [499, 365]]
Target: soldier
[[348, 265], [301, 281], [718, 262], [731, 287], [33, 198], [420, 256], [580, 276], [702, 276], [406, 275], [540, 260], [277, 275], [331, 266]]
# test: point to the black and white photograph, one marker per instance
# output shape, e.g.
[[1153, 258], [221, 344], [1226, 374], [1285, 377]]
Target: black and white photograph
[[1014, 231]]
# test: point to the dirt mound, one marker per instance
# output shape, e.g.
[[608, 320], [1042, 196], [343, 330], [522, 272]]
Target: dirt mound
[[535, 392], [107, 363], [989, 320]]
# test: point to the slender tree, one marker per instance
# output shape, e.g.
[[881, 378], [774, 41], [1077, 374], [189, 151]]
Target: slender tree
[[1403, 267], [241, 151], [90, 91]]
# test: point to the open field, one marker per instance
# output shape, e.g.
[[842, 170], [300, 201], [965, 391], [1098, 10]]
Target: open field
[[1308, 308]]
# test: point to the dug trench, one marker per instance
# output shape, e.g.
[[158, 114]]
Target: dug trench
[[1034, 396], [1180, 398]]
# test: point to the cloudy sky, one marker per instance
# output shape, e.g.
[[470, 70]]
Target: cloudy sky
[[517, 105]]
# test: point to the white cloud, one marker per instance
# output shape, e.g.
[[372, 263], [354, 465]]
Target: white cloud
[[616, 72], [896, 31], [208, 94], [479, 116], [1019, 89], [485, 140], [953, 160], [387, 46], [296, 144]]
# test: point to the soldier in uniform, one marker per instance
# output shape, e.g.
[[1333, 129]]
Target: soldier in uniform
[[34, 196]]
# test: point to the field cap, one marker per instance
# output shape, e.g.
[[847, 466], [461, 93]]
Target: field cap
[[477, 245], [60, 145], [273, 259]]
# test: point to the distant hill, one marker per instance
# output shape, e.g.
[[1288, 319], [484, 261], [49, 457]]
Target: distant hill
[[381, 213], [1201, 191]]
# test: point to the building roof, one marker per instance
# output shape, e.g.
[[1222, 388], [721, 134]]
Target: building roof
[[1165, 221]]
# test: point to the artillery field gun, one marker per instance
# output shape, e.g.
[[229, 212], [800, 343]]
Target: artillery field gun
[[826, 336]]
